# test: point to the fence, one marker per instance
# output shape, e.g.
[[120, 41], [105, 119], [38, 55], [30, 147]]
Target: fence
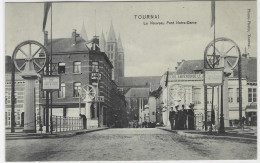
[[61, 123]]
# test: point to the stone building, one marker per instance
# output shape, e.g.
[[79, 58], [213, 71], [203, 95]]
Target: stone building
[[185, 87]]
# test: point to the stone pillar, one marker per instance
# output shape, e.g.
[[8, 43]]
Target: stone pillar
[[87, 110], [29, 106]]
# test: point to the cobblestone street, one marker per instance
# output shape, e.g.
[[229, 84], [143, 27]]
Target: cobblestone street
[[129, 144]]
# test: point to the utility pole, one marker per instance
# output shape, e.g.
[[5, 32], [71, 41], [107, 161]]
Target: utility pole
[[13, 97], [240, 90]]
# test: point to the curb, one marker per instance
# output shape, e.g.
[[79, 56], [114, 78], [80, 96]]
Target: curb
[[206, 136], [58, 135]]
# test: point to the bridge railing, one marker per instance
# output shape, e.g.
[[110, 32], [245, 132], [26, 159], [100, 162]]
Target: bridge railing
[[61, 124]]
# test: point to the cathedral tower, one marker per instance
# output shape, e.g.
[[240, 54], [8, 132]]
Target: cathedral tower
[[111, 51], [121, 58]]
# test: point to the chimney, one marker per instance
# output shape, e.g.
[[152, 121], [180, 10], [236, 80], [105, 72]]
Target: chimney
[[74, 36], [45, 38], [95, 44]]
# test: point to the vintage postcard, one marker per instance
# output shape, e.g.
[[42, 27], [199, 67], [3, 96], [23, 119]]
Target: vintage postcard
[[130, 81]]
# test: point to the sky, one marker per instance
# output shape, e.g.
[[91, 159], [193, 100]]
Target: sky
[[149, 49]]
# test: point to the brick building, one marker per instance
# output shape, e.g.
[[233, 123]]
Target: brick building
[[80, 65]]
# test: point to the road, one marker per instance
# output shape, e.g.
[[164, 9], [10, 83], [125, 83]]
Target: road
[[128, 144]]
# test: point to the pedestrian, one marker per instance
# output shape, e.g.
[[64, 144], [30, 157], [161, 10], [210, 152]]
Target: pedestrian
[[191, 117], [83, 117], [171, 118], [177, 121]]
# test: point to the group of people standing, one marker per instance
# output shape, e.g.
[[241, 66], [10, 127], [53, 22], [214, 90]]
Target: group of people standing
[[181, 119]]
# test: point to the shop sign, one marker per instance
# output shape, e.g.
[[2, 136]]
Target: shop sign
[[95, 76], [213, 77], [51, 83]]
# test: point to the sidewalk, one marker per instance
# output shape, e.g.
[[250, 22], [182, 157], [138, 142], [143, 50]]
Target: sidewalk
[[20, 135], [230, 133]]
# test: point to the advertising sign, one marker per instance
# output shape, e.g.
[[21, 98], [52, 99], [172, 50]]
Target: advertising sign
[[100, 99], [213, 77], [95, 76], [51, 83]]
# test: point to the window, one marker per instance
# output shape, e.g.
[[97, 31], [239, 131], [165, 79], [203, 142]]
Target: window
[[111, 55], [197, 96], [77, 67], [61, 68], [111, 47], [61, 93], [230, 95], [108, 47], [251, 94], [76, 89], [119, 57]]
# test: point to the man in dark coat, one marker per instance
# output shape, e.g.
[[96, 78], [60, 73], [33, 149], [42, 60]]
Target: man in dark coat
[[83, 117], [171, 118]]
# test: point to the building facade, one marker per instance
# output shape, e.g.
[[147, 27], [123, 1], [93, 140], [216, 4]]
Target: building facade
[[19, 96], [185, 86], [78, 65]]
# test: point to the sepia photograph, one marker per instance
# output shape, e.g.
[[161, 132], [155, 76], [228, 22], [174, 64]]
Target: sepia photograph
[[129, 81]]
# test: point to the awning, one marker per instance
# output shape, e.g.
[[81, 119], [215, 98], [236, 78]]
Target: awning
[[251, 108]]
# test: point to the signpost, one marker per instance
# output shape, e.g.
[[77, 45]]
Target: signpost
[[51, 83], [99, 99], [95, 76], [213, 77]]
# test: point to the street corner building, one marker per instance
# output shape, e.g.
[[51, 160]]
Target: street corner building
[[79, 62], [184, 87]]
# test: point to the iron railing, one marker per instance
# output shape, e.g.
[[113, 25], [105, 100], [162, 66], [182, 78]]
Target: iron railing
[[61, 124]]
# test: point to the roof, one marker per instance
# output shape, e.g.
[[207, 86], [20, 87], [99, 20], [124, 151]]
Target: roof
[[63, 45], [139, 81], [249, 68], [137, 92], [188, 67]]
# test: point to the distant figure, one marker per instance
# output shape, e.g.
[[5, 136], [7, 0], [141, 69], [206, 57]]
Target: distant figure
[[84, 120], [191, 119], [177, 122], [171, 118]]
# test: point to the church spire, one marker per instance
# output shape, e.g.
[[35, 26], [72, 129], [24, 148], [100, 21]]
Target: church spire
[[111, 34], [119, 44], [83, 33], [102, 43]]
